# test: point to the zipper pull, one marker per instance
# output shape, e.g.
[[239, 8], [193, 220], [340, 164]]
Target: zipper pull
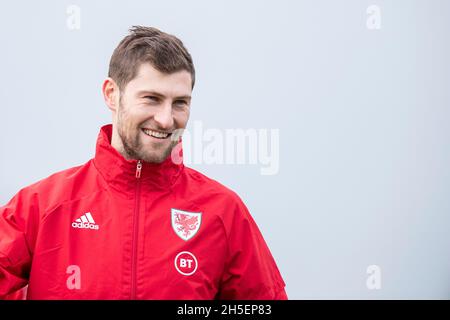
[[138, 169]]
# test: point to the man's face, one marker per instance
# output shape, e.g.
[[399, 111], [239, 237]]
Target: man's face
[[152, 110]]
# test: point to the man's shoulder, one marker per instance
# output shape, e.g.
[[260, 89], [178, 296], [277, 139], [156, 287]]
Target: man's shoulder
[[63, 176], [59, 186], [220, 200], [201, 183]]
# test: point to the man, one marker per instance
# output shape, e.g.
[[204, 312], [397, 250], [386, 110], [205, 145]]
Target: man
[[134, 222]]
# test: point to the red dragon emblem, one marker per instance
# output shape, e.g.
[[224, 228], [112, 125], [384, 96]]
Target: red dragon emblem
[[185, 224]]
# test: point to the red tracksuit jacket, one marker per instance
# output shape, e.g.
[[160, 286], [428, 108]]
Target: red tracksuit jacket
[[119, 229]]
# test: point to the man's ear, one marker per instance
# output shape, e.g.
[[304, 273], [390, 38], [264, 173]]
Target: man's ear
[[110, 93]]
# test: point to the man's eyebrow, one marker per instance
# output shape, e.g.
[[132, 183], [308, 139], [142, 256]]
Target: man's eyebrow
[[184, 97], [150, 92]]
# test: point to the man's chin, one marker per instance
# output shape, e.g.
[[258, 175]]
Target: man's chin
[[155, 153], [156, 157]]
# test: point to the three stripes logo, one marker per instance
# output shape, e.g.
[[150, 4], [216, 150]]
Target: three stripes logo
[[85, 222]]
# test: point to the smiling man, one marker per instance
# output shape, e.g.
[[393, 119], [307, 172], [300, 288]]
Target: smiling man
[[134, 222], [144, 120]]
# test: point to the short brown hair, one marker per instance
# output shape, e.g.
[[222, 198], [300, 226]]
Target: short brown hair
[[165, 52]]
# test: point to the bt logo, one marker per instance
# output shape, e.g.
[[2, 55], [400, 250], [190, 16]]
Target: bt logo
[[186, 263]]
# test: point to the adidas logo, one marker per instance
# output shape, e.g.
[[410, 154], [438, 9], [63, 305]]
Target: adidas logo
[[85, 222]]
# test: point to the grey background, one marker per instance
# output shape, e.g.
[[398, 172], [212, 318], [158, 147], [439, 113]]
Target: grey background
[[363, 118]]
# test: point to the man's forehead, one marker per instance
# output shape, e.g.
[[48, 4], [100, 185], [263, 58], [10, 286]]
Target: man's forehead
[[150, 80]]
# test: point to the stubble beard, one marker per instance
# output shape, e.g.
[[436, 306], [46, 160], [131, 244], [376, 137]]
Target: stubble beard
[[133, 147]]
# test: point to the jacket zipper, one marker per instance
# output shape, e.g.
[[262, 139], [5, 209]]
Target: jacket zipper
[[135, 230]]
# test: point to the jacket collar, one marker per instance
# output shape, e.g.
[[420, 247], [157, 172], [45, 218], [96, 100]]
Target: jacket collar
[[120, 173]]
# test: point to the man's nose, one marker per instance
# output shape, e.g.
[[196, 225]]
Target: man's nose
[[164, 117]]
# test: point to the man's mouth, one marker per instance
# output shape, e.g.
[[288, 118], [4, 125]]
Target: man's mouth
[[156, 134]]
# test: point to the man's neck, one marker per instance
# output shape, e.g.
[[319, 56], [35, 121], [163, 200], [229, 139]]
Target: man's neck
[[117, 144]]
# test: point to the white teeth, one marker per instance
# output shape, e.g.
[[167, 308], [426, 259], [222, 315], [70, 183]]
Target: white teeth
[[156, 134]]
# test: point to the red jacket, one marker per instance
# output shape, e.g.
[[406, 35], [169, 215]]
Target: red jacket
[[122, 229]]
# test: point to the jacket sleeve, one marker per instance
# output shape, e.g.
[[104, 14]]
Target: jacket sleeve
[[250, 271], [18, 225]]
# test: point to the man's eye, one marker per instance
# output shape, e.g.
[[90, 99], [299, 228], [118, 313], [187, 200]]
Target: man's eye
[[152, 98], [180, 102]]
